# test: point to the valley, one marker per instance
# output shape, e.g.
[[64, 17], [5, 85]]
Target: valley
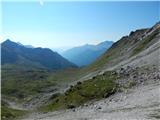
[[86, 54], [121, 83]]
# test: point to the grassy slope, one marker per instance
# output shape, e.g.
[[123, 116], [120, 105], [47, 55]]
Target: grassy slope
[[20, 83], [93, 89], [9, 113]]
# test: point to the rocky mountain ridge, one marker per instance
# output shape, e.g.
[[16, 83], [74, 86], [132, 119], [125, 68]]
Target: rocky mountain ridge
[[14, 53]]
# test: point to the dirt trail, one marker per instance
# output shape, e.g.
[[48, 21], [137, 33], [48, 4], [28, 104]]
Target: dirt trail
[[14, 105], [139, 103]]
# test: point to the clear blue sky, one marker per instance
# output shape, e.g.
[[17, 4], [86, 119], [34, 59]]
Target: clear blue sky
[[65, 24]]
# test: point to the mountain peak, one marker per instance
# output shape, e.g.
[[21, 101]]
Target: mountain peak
[[7, 41], [10, 43]]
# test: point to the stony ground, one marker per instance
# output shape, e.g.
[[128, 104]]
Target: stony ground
[[138, 103]]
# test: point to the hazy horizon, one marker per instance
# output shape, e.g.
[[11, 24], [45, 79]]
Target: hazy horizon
[[60, 50], [70, 24]]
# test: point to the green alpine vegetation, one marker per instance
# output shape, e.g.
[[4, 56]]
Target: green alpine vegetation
[[21, 83], [10, 113], [98, 87], [25, 83]]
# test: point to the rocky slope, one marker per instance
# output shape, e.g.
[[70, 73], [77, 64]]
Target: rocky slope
[[140, 48], [137, 98]]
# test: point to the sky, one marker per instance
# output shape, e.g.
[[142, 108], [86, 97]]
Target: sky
[[66, 24]]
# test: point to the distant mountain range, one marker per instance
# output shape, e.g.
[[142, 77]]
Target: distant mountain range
[[86, 54], [16, 53]]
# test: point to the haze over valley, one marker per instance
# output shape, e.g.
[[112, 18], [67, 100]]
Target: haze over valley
[[80, 60]]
